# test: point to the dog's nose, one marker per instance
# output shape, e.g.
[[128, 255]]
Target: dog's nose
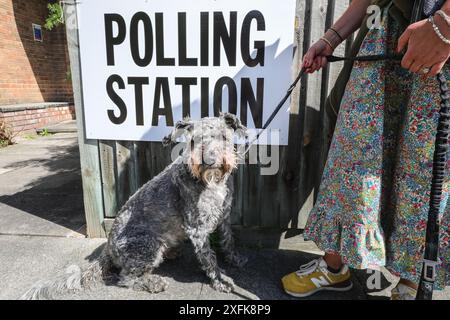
[[211, 158]]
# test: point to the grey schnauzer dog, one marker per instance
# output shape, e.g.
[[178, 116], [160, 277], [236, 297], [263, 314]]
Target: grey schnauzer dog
[[190, 199]]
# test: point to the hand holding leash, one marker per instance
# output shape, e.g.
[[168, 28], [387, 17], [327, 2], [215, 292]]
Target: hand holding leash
[[302, 72]]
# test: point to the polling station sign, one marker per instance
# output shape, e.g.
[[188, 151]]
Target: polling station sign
[[147, 64]]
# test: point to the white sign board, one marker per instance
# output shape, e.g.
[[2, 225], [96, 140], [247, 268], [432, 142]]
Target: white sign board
[[147, 64]]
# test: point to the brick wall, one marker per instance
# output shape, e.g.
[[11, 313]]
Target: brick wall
[[29, 118], [31, 71]]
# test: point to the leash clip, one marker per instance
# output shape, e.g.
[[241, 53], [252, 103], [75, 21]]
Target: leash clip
[[429, 270]]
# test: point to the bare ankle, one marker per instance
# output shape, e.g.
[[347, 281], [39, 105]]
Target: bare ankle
[[333, 260]]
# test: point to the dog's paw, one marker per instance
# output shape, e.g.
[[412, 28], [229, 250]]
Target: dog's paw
[[151, 284], [157, 285], [223, 285], [237, 260]]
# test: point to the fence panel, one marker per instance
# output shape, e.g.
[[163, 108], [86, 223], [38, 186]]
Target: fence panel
[[114, 170]]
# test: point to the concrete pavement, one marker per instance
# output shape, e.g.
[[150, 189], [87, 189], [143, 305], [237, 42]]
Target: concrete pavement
[[26, 260], [40, 187]]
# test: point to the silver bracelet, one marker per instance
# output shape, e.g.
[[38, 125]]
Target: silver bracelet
[[444, 16], [437, 31]]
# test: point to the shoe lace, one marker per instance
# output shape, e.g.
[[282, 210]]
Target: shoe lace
[[308, 268]]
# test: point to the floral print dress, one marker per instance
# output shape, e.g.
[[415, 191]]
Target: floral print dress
[[373, 201]]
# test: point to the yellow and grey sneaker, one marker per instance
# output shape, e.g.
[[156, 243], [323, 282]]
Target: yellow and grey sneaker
[[314, 277], [403, 292]]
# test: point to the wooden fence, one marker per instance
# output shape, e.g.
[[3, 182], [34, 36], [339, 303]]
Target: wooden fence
[[113, 170]]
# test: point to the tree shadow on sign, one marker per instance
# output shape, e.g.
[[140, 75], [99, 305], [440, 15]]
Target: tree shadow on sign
[[272, 72]]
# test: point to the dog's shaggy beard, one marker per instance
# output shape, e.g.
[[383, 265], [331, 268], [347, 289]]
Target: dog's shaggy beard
[[206, 173], [212, 176]]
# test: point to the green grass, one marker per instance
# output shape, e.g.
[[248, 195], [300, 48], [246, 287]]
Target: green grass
[[4, 143], [6, 135], [45, 133]]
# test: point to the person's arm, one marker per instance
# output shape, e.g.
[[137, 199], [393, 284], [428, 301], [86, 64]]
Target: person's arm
[[352, 18], [348, 23], [426, 53]]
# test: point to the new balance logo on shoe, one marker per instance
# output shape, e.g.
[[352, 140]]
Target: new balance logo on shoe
[[319, 282]]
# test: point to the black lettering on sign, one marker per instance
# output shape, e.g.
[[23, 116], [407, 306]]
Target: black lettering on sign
[[138, 82], [186, 84], [112, 40], [228, 39], [224, 36], [204, 39], [161, 60], [218, 94], [148, 37], [254, 102], [204, 87], [162, 86], [182, 42], [259, 46], [116, 99]]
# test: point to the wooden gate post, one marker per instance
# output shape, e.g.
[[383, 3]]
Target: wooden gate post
[[89, 149]]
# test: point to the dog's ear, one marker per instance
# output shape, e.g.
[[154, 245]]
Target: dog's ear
[[234, 123], [182, 128]]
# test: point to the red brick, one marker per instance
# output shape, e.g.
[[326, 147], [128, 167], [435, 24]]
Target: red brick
[[31, 71]]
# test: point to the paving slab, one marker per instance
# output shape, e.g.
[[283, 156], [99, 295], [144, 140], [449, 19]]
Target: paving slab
[[40, 187], [24, 260], [69, 126]]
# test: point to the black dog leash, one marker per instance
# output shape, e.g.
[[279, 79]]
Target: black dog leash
[[302, 73], [431, 255]]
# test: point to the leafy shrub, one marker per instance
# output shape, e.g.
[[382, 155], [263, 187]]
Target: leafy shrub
[[6, 135], [55, 16]]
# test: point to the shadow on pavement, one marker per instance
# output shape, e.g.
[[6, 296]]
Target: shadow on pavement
[[55, 194], [259, 279]]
